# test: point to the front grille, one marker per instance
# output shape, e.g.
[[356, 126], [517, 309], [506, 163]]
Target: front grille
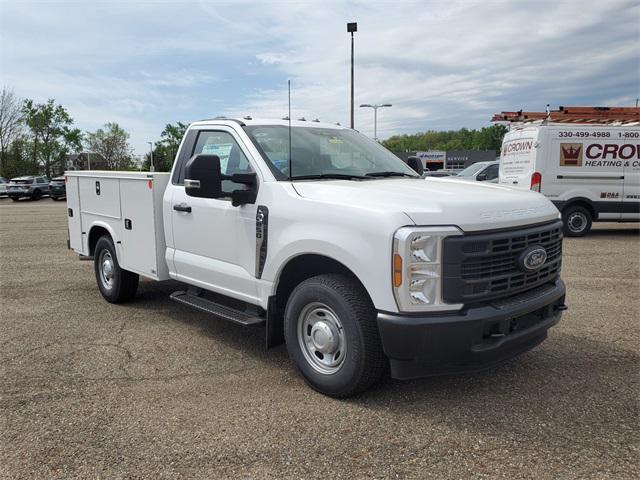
[[481, 267]]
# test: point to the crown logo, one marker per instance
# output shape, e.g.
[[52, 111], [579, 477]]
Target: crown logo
[[571, 153]]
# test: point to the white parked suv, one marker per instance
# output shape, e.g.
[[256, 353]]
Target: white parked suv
[[333, 245]]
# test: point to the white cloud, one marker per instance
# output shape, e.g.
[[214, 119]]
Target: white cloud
[[442, 64]]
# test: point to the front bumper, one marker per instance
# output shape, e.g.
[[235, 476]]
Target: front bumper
[[474, 338]]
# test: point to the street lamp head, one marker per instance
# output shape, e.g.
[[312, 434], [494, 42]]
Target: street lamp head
[[366, 105], [352, 27], [386, 105]]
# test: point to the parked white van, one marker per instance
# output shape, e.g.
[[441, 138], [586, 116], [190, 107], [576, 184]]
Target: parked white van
[[590, 172]]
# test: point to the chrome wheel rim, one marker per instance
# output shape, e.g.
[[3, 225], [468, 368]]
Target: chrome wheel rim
[[321, 338], [106, 268], [576, 222]]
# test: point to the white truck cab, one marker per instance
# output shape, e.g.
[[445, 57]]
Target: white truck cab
[[334, 245], [590, 172]]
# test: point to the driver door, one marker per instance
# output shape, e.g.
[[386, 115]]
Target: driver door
[[212, 247]]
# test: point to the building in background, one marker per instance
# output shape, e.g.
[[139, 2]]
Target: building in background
[[79, 161], [454, 160]]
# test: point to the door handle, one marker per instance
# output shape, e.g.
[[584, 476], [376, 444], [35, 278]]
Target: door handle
[[182, 207]]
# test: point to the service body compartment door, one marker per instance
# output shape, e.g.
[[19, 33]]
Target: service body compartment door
[[73, 215], [138, 227], [100, 196]]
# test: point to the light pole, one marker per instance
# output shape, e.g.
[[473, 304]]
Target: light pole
[[375, 116], [88, 161], [151, 169], [352, 27]]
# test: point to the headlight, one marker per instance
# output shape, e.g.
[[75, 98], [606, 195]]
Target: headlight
[[417, 269]]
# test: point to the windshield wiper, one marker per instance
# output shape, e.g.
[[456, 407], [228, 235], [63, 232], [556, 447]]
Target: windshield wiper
[[339, 176], [390, 174]]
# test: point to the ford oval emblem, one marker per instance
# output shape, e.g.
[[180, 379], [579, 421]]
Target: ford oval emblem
[[532, 258]]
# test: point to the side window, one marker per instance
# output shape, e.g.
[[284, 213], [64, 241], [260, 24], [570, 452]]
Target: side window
[[491, 172], [222, 144], [39, 180], [232, 159]]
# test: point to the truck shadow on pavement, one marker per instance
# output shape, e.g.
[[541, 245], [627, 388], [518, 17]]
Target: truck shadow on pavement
[[572, 393], [550, 369], [614, 232]]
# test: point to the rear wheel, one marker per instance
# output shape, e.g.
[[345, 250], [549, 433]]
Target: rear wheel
[[37, 195], [332, 335], [15, 199], [115, 284], [577, 221]]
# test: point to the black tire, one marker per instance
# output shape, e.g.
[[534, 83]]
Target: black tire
[[577, 221], [363, 361], [55, 199], [15, 199], [36, 195], [123, 284]]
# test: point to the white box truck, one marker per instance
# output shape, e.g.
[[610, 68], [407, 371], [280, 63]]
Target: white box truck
[[332, 244], [590, 172]]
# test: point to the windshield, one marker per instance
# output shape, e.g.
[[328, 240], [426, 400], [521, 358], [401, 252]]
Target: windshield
[[471, 170], [324, 153]]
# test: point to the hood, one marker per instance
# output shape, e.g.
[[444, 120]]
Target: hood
[[472, 206]]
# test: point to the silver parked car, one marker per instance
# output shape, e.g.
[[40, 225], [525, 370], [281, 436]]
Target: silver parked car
[[3, 186], [28, 187], [480, 172]]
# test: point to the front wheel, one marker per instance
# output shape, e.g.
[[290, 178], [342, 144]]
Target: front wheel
[[37, 195], [332, 335], [577, 221], [115, 284]]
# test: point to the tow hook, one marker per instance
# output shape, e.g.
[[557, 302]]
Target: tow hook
[[561, 308]]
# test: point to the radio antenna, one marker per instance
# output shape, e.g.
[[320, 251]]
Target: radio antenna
[[290, 163]]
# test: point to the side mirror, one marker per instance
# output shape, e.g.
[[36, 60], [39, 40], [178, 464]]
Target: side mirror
[[416, 164], [202, 177], [481, 177]]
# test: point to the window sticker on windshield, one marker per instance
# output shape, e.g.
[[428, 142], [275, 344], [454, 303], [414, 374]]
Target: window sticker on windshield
[[335, 140], [222, 150]]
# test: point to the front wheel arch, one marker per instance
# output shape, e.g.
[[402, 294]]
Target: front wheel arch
[[295, 271]]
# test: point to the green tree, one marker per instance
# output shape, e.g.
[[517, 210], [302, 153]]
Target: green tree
[[487, 138], [166, 149], [49, 125], [19, 159], [112, 143], [10, 124]]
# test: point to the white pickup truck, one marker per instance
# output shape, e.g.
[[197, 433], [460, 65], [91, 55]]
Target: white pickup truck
[[333, 245]]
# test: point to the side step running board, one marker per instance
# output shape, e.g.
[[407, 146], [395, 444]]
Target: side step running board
[[240, 317]]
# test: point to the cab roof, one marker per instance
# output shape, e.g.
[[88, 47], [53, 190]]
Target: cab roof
[[248, 121]]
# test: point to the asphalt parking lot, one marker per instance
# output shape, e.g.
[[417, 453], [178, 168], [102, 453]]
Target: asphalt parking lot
[[156, 390]]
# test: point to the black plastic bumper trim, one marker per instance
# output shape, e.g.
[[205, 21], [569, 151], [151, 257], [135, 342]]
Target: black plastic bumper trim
[[473, 339]]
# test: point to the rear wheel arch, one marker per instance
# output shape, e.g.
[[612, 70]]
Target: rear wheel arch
[[95, 233]]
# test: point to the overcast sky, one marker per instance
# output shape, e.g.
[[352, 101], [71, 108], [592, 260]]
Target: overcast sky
[[442, 64]]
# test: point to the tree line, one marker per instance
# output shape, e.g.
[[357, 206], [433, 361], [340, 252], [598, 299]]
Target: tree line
[[486, 138], [37, 138]]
